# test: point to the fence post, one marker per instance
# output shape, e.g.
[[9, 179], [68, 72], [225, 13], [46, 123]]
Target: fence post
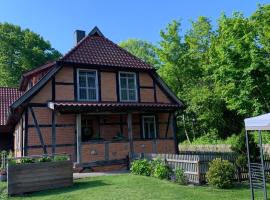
[[239, 174], [128, 162], [199, 171]]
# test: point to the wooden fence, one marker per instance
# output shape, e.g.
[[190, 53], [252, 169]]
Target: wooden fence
[[196, 164]]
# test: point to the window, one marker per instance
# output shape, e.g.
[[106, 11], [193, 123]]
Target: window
[[87, 85], [90, 128], [128, 88], [149, 127]]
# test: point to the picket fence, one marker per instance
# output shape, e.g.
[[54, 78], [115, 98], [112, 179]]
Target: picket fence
[[196, 164]]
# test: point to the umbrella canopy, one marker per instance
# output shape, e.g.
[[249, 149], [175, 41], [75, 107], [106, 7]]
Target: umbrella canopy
[[261, 122]]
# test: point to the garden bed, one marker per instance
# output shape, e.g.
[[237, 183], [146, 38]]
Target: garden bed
[[31, 177]]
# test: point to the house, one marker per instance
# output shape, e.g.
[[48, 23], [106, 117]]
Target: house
[[97, 103], [7, 97]]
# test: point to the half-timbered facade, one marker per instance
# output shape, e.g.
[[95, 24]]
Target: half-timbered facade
[[97, 103]]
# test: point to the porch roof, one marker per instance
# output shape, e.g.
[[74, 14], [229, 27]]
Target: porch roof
[[111, 106]]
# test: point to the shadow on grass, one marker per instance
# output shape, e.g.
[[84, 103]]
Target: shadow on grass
[[81, 185]]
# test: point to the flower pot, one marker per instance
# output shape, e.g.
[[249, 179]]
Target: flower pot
[[3, 177]]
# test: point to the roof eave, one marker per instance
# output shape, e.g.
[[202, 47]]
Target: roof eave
[[68, 63]]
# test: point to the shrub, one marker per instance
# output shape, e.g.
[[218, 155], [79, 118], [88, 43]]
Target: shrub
[[220, 173], [239, 147], [27, 160], [159, 169], [141, 167], [60, 158], [154, 163], [45, 159], [180, 176]]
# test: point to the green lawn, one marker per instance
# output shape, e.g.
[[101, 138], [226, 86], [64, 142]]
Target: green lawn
[[134, 187]]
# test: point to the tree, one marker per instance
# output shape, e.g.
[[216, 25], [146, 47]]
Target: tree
[[238, 71], [20, 51], [143, 50]]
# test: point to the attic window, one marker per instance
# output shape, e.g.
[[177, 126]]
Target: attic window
[[87, 85]]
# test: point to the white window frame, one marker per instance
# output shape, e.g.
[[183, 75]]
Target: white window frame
[[136, 88], [155, 127], [96, 83]]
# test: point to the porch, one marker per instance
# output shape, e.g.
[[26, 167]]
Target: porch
[[107, 135], [107, 139]]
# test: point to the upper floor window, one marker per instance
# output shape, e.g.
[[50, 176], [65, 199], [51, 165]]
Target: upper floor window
[[127, 86], [87, 85]]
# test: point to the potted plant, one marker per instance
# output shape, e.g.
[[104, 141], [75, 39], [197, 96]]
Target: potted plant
[[3, 174]]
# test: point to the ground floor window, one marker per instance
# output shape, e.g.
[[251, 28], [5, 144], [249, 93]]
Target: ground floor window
[[149, 127], [89, 128]]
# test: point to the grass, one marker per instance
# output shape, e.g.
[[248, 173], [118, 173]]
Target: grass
[[134, 187]]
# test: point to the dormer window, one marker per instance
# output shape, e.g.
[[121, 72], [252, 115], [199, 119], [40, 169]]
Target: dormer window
[[127, 86], [87, 85]]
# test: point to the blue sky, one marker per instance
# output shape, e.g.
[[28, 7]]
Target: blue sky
[[56, 20]]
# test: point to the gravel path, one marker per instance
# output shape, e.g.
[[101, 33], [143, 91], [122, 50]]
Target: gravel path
[[93, 174]]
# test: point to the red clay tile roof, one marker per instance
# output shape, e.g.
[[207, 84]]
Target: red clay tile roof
[[39, 69], [98, 50], [7, 97], [114, 106], [26, 76]]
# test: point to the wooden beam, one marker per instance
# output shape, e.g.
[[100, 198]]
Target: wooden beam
[[168, 124], [38, 130], [79, 136], [138, 86], [53, 132], [130, 136], [175, 134], [103, 163], [25, 138]]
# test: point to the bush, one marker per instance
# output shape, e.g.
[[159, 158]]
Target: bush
[[180, 176], [159, 169], [45, 159], [60, 158], [239, 147], [220, 173], [141, 167], [27, 160]]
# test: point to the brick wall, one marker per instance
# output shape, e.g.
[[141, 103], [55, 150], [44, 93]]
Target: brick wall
[[119, 150], [145, 79], [161, 97], [108, 86], [64, 92], [65, 74], [44, 95]]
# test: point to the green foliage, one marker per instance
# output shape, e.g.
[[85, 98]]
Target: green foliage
[[239, 147], [143, 50], [45, 159], [210, 138], [222, 75], [180, 176], [27, 160], [60, 158], [159, 169], [220, 173], [21, 50], [141, 167]]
